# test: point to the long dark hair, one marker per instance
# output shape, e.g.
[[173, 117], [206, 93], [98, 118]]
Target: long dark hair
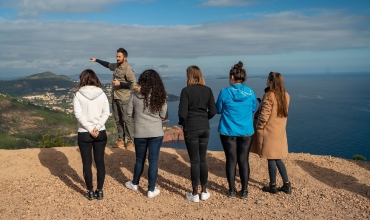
[[88, 78], [238, 72], [152, 89], [278, 88]]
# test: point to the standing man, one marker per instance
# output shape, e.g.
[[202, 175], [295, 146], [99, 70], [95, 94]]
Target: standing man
[[123, 77]]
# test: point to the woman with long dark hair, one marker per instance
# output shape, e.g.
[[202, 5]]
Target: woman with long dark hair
[[147, 105], [91, 109], [271, 131], [237, 104], [196, 108]]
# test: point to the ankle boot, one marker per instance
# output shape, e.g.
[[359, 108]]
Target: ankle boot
[[99, 194], [286, 188], [271, 189], [90, 195]]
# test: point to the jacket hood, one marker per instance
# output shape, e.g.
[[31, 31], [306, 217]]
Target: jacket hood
[[239, 92], [90, 92]]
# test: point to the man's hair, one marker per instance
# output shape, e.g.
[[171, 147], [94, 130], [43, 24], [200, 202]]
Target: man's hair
[[123, 51]]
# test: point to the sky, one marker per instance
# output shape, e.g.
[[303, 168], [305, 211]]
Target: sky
[[288, 36]]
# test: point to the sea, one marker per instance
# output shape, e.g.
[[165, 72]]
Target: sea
[[329, 114]]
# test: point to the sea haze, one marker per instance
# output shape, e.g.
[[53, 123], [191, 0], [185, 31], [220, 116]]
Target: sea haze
[[328, 114]]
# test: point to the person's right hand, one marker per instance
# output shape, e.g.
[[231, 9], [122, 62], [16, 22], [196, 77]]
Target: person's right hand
[[95, 133], [92, 59]]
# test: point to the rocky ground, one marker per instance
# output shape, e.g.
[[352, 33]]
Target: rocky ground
[[48, 184]]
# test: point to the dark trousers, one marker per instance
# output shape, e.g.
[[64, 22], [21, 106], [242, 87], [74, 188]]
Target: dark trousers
[[142, 145], [196, 144], [89, 145], [237, 153], [125, 124], [272, 164]]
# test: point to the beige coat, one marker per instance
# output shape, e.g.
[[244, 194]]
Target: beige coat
[[271, 139]]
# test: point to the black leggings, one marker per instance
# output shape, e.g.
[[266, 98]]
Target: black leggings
[[272, 164], [196, 144], [87, 144], [237, 152]]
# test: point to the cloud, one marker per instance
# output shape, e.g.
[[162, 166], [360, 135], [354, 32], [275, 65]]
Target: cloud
[[223, 3], [65, 45], [32, 8]]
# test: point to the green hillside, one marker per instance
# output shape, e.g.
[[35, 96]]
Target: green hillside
[[36, 84], [23, 124]]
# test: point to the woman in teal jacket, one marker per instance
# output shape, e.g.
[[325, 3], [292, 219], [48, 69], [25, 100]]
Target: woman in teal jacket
[[236, 104]]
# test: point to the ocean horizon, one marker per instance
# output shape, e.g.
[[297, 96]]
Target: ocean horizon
[[329, 114]]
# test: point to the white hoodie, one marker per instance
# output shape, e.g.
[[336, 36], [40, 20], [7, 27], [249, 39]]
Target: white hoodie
[[91, 108]]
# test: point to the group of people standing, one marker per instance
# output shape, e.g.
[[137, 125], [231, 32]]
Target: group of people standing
[[139, 109]]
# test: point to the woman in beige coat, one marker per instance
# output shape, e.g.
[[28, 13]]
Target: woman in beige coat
[[271, 131]]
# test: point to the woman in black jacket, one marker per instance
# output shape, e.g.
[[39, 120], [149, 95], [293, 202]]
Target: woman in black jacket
[[197, 106]]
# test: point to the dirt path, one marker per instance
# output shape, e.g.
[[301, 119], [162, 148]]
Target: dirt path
[[48, 184]]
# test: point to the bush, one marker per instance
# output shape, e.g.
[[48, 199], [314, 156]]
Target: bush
[[49, 141], [359, 157]]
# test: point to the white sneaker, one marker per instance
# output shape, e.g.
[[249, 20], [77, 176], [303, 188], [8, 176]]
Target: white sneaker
[[131, 186], [154, 193], [192, 198], [205, 196]]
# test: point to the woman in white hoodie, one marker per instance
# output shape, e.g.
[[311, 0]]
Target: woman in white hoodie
[[91, 109]]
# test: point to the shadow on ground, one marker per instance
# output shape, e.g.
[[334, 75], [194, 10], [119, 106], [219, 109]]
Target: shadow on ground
[[59, 167], [334, 179]]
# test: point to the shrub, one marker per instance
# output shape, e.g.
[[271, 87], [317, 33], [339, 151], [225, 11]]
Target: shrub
[[49, 141], [359, 157]]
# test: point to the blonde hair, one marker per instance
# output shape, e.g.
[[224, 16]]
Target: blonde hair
[[194, 76]]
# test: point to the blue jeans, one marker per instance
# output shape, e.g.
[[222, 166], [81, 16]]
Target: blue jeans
[[141, 146], [196, 143]]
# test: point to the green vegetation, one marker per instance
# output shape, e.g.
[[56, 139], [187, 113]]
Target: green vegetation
[[359, 157], [36, 84], [25, 125], [50, 141]]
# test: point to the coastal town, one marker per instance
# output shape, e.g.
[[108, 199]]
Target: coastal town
[[59, 99]]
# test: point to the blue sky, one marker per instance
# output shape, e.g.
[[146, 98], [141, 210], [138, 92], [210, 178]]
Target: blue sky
[[288, 36]]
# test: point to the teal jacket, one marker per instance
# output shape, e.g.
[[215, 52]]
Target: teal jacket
[[236, 104]]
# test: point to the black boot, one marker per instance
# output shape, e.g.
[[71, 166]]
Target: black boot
[[286, 188], [99, 194], [271, 189], [90, 195]]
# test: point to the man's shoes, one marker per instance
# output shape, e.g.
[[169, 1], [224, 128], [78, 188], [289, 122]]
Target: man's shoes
[[271, 189], [99, 194], [154, 193], [205, 195], [130, 145], [286, 188], [119, 144], [131, 186], [244, 194], [192, 198], [232, 193], [90, 195]]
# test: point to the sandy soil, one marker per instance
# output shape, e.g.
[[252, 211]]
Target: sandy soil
[[48, 184]]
